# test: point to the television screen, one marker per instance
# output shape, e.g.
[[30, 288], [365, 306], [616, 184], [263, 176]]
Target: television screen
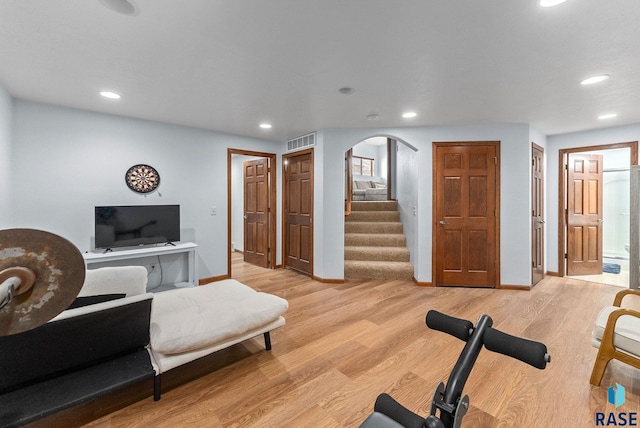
[[134, 225]]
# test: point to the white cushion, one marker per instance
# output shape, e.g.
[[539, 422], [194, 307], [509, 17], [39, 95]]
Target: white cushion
[[129, 280], [361, 185], [192, 318], [627, 334], [165, 362]]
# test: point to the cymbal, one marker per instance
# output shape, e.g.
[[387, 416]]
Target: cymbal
[[59, 270]]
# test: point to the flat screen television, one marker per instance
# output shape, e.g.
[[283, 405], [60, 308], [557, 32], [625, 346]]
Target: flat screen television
[[135, 225]]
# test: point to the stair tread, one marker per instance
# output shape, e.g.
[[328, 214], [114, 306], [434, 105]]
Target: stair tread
[[373, 216], [376, 263], [378, 269], [374, 205], [374, 234], [374, 248], [378, 253], [376, 222]]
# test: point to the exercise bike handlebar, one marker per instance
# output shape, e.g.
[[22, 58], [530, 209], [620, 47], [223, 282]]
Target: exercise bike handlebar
[[528, 351], [448, 406], [456, 327]]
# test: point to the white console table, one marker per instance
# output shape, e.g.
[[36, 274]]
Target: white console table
[[136, 255]]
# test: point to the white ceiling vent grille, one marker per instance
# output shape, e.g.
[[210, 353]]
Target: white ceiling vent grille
[[302, 142]]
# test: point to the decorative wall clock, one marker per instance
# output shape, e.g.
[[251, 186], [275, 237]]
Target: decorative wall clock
[[142, 178]]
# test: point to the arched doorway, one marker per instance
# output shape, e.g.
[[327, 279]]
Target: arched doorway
[[380, 206]]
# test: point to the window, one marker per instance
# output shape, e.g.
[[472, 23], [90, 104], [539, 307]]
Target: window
[[362, 166]]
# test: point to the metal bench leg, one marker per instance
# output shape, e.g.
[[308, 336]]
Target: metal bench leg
[[267, 341], [157, 388]]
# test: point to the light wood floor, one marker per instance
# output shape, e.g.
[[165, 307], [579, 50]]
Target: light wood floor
[[344, 344]]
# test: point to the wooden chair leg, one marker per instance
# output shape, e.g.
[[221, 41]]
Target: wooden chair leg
[[602, 360]]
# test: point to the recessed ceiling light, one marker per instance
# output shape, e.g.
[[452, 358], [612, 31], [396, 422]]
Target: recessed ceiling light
[[346, 90], [123, 7], [265, 125], [595, 79], [550, 3], [109, 94], [607, 116], [409, 114], [373, 117]]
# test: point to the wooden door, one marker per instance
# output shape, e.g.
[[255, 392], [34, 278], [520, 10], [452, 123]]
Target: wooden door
[[256, 212], [466, 214], [348, 169], [537, 214], [584, 214], [298, 211]]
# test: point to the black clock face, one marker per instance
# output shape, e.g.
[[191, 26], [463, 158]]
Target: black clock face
[[142, 178]]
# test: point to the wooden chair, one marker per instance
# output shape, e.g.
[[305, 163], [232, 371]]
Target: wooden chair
[[617, 335]]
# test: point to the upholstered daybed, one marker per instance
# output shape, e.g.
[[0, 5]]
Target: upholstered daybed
[[190, 323]]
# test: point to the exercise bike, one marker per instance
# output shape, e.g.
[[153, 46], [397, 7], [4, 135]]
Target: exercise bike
[[448, 406]]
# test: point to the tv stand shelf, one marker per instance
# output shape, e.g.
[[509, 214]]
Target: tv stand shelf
[[132, 255]]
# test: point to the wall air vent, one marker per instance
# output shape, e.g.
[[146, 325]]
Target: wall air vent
[[302, 142]]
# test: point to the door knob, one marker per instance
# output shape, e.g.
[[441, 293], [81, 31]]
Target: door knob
[[600, 221], [245, 217], [442, 222], [541, 221]]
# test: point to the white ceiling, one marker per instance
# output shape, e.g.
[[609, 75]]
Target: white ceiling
[[229, 65]]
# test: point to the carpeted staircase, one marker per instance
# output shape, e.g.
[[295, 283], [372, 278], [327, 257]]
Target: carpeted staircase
[[374, 244]]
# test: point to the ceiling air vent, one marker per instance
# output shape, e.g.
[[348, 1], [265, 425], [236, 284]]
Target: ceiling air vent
[[302, 142]]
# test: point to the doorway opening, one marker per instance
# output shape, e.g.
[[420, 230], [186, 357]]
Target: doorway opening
[[251, 207], [380, 230], [593, 241], [537, 214], [369, 171]]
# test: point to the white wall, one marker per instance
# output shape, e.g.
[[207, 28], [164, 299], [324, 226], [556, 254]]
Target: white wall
[[6, 114], [515, 190], [407, 196], [67, 161], [621, 134], [382, 163]]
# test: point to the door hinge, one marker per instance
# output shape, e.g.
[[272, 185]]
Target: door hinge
[[495, 160], [533, 264], [566, 256]]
